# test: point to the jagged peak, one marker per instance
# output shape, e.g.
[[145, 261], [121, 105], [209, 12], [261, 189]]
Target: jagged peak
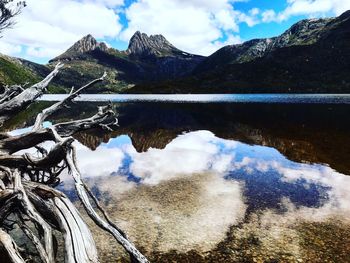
[[142, 44], [88, 37], [139, 34], [88, 43], [308, 24], [85, 44]]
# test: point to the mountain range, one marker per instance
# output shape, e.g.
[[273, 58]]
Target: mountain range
[[313, 56]]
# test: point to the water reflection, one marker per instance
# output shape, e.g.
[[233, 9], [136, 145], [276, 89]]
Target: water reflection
[[311, 133], [210, 98], [221, 182], [201, 192]]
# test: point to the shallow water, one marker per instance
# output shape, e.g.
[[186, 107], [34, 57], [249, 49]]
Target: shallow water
[[222, 182]]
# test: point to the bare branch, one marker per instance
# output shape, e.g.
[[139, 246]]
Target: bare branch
[[25, 180], [11, 247], [36, 242], [79, 244], [28, 95], [31, 212], [50, 110], [83, 195], [8, 11]]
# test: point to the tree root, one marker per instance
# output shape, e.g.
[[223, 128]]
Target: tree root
[[27, 181]]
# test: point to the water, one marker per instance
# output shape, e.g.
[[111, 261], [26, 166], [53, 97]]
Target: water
[[221, 182], [205, 98]]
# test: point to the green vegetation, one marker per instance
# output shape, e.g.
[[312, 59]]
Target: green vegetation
[[12, 72], [79, 72]]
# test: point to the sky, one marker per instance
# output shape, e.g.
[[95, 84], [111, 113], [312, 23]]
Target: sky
[[46, 28]]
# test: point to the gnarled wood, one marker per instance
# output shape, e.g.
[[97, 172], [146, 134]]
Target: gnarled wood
[[27, 96], [10, 92], [79, 244], [31, 212], [35, 240], [10, 248], [50, 110], [26, 180]]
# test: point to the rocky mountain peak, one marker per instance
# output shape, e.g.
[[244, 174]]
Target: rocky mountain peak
[[143, 45], [306, 28], [86, 44]]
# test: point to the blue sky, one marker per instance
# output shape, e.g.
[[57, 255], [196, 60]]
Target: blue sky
[[46, 28]]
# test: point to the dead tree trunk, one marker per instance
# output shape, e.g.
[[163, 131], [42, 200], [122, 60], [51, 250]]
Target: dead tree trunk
[[13, 101], [26, 183]]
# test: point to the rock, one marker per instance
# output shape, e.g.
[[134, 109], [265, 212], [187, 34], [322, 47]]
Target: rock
[[84, 45], [143, 45], [88, 43]]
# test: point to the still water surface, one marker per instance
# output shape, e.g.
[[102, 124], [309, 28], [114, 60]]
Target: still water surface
[[211, 98], [222, 182]]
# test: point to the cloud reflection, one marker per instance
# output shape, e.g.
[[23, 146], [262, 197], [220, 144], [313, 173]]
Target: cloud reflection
[[191, 192], [101, 162], [190, 153], [183, 214]]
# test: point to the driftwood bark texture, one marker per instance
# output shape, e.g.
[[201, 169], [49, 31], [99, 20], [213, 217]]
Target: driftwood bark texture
[[29, 203]]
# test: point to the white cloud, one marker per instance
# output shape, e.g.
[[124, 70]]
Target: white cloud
[[42, 52], [268, 16], [250, 19], [183, 196], [194, 26], [48, 28], [108, 3], [311, 8], [254, 11], [9, 49]]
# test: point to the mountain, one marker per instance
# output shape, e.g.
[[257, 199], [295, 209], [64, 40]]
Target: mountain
[[24, 72], [13, 71], [313, 56], [81, 48], [305, 32], [147, 59]]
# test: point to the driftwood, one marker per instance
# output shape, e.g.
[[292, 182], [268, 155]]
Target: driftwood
[[20, 100], [28, 199], [10, 92]]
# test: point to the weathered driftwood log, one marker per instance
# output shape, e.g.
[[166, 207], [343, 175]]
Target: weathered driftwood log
[[22, 99], [27, 198], [10, 92], [9, 249]]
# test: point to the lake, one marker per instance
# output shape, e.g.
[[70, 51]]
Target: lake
[[211, 98], [223, 178]]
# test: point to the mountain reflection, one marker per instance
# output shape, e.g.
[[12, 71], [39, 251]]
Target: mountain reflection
[[190, 194], [303, 133]]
